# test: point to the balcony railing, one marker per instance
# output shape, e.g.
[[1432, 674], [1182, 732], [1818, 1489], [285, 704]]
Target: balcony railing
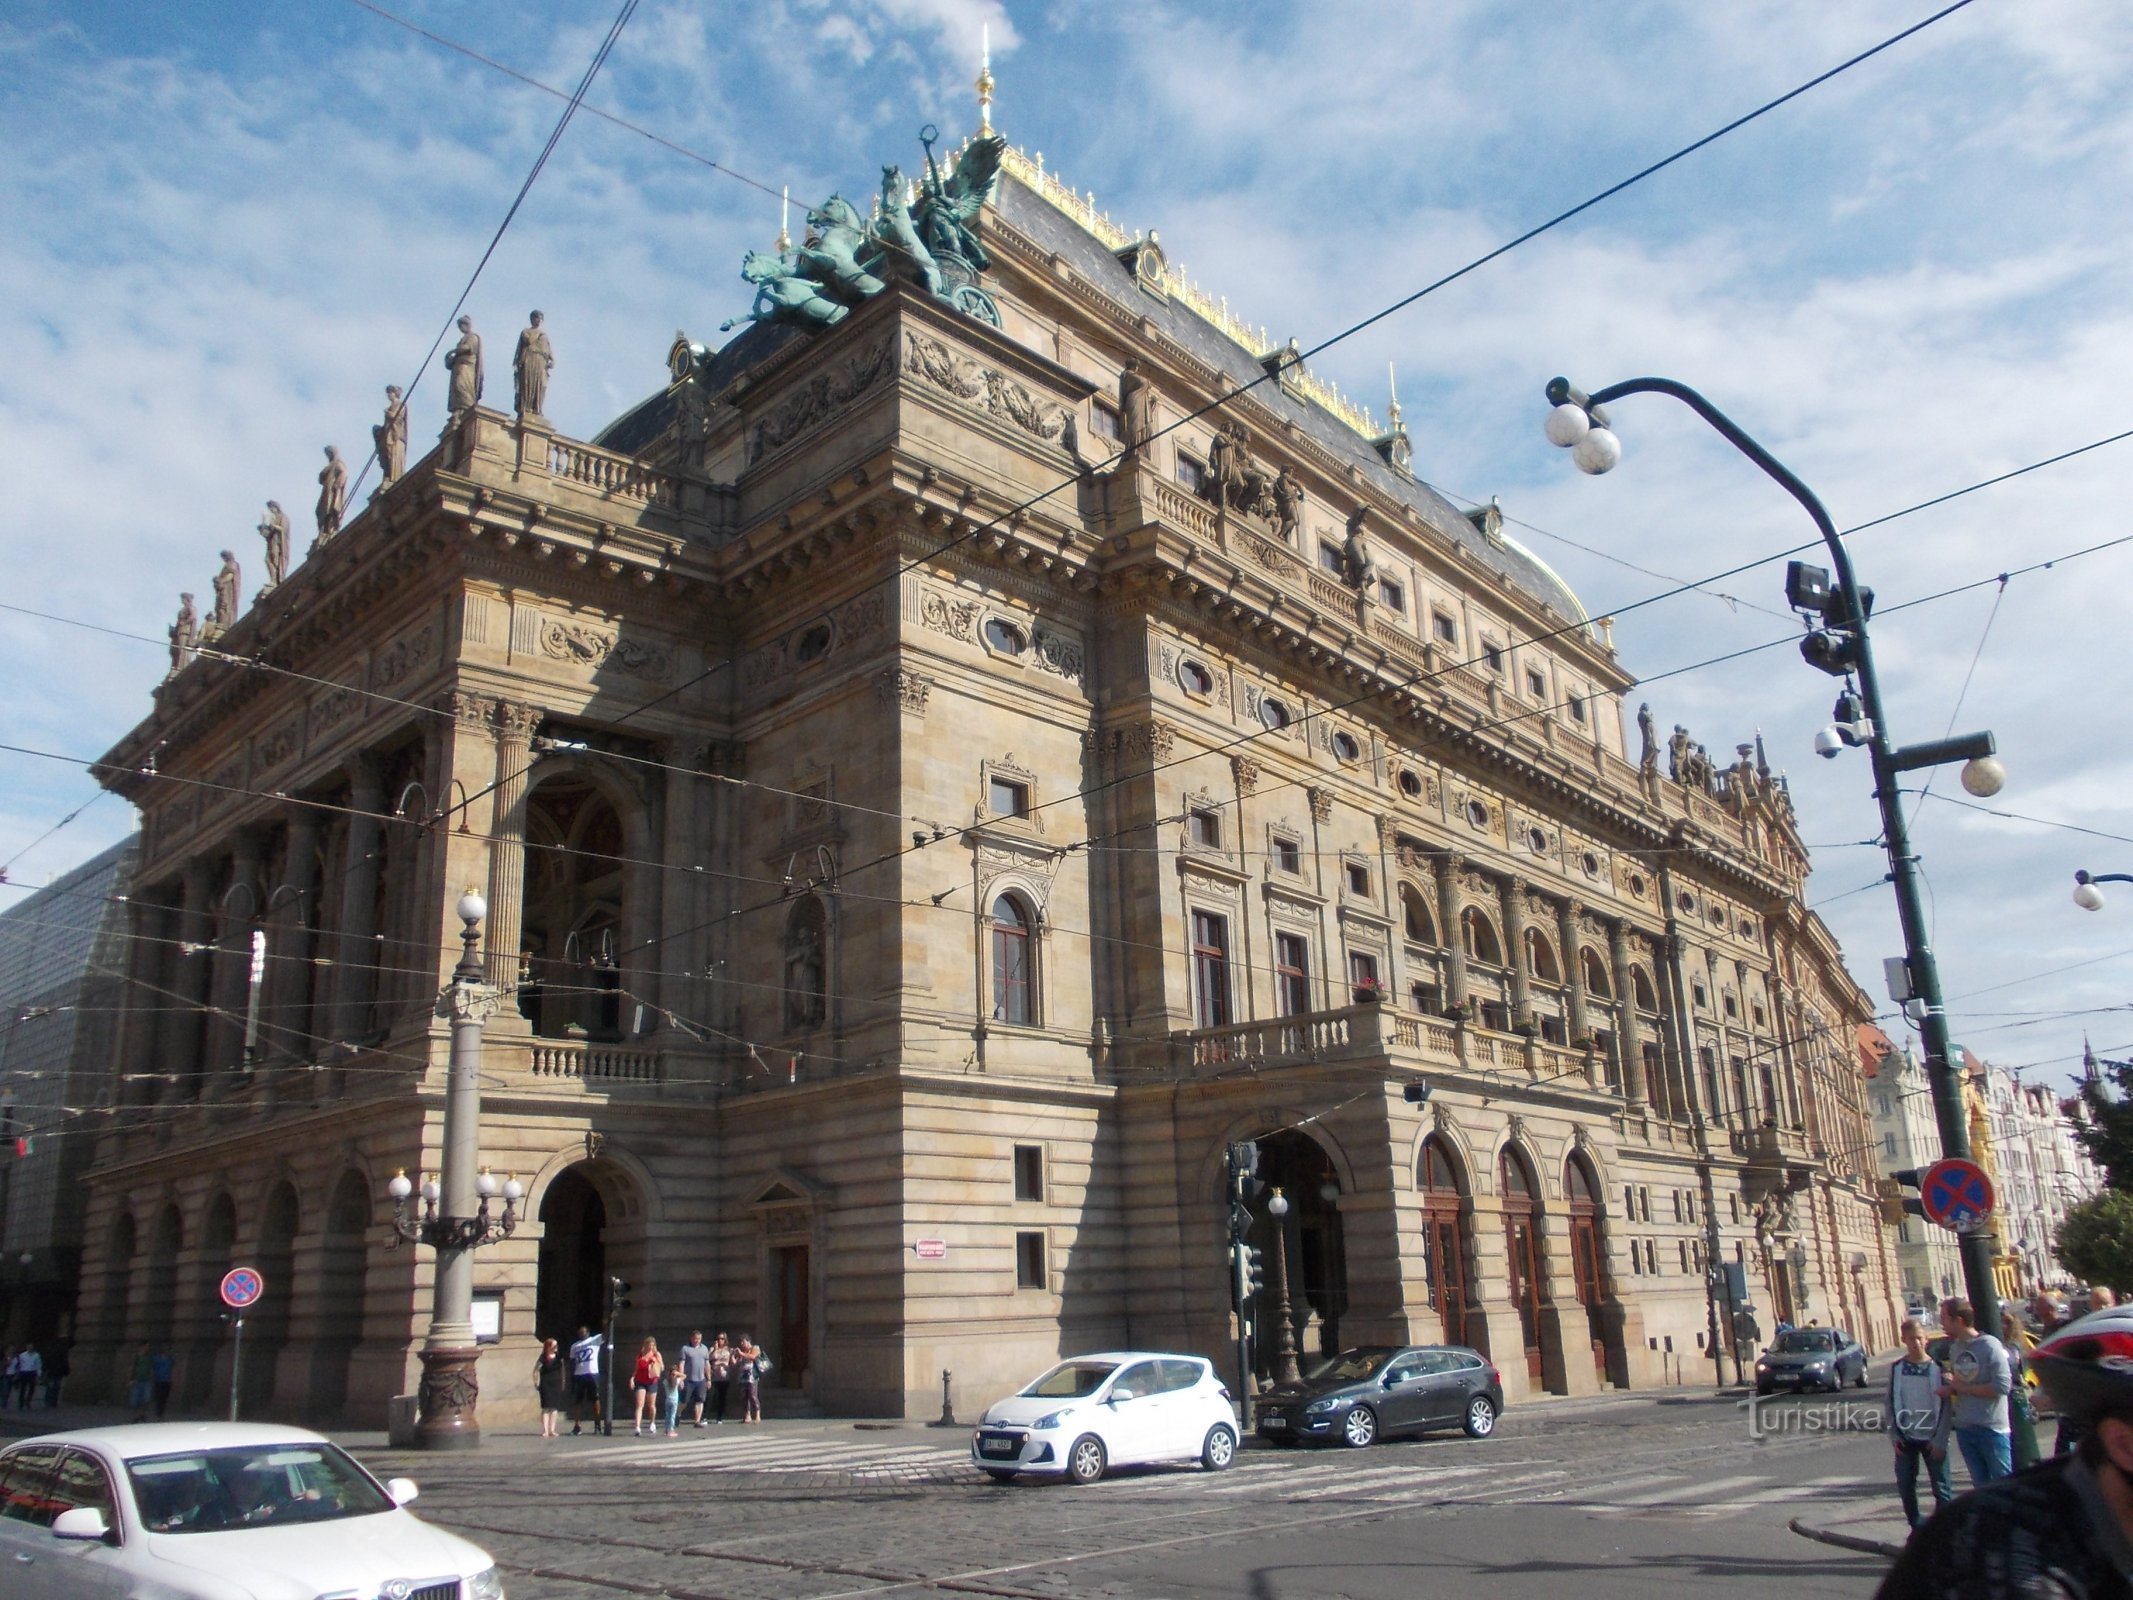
[[596, 1066]]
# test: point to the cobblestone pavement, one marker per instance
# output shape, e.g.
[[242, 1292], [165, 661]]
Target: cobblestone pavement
[[1628, 1491]]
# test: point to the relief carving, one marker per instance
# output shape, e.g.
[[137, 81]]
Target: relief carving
[[906, 690], [1152, 738], [583, 645], [819, 397], [1246, 771], [279, 745], [400, 658], [862, 616], [986, 390], [1058, 653], [330, 710], [956, 618], [1321, 803]]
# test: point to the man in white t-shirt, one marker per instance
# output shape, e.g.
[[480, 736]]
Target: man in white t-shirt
[[585, 1378]]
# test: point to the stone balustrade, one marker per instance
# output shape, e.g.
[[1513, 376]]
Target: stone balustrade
[[595, 1066], [603, 472]]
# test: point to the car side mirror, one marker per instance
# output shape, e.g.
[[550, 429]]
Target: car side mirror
[[80, 1522], [402, 1490]]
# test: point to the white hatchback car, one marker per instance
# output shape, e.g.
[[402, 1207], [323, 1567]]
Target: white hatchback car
[[218, 1511], [1120, 1408]]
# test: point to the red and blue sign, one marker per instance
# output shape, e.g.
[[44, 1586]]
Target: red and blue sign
[[241, 1286], [1956, 1194]]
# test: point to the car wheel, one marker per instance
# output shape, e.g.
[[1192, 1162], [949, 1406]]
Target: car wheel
[[1220, 1449], [1360, 1428], [1085, 1462], [1860, 1381], [999, 1475], [1480, 1417]]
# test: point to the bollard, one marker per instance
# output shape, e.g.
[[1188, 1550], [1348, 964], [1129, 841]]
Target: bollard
[[947, 1406]]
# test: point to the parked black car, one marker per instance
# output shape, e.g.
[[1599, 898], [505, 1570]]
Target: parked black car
[[1810, 1358], [1364, 1394]]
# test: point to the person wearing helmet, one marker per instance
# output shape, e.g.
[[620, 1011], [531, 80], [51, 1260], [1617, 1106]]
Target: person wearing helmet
[[2065, 1527]]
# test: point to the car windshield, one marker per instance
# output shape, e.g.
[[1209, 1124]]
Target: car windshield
[[1072, 1380], [249, 1486], [1804, 1339], [1350, 1365]]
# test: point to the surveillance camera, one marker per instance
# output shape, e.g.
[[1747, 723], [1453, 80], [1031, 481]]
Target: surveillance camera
[[1829, 744]]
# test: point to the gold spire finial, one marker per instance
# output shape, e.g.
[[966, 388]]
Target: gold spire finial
[[1392, 383], [984, 83], [784, 219]]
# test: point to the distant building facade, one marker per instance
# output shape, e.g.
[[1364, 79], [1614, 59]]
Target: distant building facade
[[924, 794], [63, 956], [1907, 1139]]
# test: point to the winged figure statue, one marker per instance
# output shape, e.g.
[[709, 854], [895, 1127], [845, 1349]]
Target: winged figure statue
[[948, 206]]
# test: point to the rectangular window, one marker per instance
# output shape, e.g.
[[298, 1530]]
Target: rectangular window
[[1577, 708], [1888, 1144], [1205, 829], [1288, 855], [1684, 1244], [1445, 628], [1732, 1007], [1362, 969], [1424, 997], [1358, 878], [1700, 995], [1029, 1172], [1677, 1205], [1329, 557], [1629, 1201], [1210, 969], [1492, 656], [1008, 798], [1190, 472], [1393, 594], [1103, 421], [1709, 1063], [1029, 1261], [1292, 973], [1536, 685]]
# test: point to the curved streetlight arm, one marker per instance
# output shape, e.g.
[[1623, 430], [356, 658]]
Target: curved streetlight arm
[[2102, 877], [1941, 1074]]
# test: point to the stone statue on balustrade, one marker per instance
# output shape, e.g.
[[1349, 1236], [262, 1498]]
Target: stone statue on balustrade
[[1362, 566], [1136, 407], [1288, 498], [390, 437], [1679, 748], [227, 581], [463, 361], [184, 635], [332, 496], [530, 368], [1233, 480], [1744, 781], [274, 532]]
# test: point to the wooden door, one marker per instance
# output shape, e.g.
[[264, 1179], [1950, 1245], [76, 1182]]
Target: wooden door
[[790, 1267], [1446, 1265]]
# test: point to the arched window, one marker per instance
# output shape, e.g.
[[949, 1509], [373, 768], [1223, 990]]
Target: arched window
[[1445, 1254], [1587, 1254], [1596, 983], [1540, 957], [1414, 912], [1480, 936], [1013, 989], [1640, 989], [118, 1277], [806, 965], [1521, 1227], [571, 929]]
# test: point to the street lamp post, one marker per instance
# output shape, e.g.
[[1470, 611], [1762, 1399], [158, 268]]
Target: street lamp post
[[1285, 1370], [1842, 648], [2087, 895], [450, 1388]]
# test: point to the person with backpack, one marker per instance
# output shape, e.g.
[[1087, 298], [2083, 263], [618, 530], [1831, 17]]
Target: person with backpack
[[1920, 1422]]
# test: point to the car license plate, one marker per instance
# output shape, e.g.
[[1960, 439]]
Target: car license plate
[[1273, 1419], [997, 1447]]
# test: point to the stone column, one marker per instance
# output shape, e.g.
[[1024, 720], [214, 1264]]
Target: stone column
[[356, 982], [291, 978], [1511, 895], [673, 956], [235, 918], [1448, 868], [182, 1042], [1628, 1039], [515, 723]]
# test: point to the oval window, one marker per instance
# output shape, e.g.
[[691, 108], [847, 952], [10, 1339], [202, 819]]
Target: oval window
[[1536, 841], [1274, 713], [1195, 678], [814, 644], [1591, 865], [1686, 901], [1477, 813], [1410, 783], [1345, 747], [1005, 637], [1636, 884]]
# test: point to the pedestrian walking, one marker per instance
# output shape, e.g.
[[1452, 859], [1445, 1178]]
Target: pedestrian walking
[[749, 1366], [1980, 1376], [29, 1367], [550, 1372], [721, 1364], [645, 1384], [670, 1387], [695, 1360], [1920, 1422], [162, 1371], [584, 1379], [141, 1385], [8, 1371], [58, 1364]]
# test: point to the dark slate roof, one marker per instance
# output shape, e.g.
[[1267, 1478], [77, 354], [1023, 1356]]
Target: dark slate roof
[[1057, 234]]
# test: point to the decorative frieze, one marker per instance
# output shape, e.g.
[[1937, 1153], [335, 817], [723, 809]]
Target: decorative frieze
[[402, 657], [332, 709], [984, 389], [1059, 653], [821, 398], [956, 618], [903, 689]]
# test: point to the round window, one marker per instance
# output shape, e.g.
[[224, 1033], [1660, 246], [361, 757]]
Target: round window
[[1747, 928], [814, 644], [1686, 901], [1005, 637], [1591, 864], [1536, 841], [1196, 678], [1410, 783], [1477, 813], [1636, 884], [1345, 746], [1274, 713]]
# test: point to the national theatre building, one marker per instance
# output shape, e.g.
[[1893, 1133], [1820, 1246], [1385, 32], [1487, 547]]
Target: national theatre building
[[960, 755]]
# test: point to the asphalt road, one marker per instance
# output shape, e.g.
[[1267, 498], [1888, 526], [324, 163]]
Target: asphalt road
[[1620, 1496]]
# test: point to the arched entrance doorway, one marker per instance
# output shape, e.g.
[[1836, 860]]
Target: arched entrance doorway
[[1587, 1253], [592, 1228], [1303, 1250], [266, 1325], [1445, 1257], [1521, 1230]]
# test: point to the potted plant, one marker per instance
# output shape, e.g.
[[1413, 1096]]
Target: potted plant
[[1459, 1011], [1369, 992], [1526, 1028]]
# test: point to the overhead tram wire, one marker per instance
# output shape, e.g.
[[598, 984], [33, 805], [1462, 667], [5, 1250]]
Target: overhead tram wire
[[1274, 370]]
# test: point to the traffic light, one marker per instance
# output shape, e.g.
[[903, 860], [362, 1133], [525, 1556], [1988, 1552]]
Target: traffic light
[[1254, 1260], [618, 1297], [1241, 1161], [1895, 1204]]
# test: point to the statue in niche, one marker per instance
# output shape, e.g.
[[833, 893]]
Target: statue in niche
[[1362, 566], [184, 635], [1233, 480], [227, 581], [1288, 506], [464, 364], [274, 531], [530, 367], [1136, 407], [1679, 749], [782, 294], [332, 495], [390, 437]]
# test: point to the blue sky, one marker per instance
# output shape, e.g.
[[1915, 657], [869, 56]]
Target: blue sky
[[231, 225]]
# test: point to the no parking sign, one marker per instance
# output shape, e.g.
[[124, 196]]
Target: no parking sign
[[241, 1286], [1956, 1194]]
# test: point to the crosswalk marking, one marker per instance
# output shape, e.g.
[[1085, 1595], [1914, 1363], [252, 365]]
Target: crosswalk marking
[[1689, 1493]]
